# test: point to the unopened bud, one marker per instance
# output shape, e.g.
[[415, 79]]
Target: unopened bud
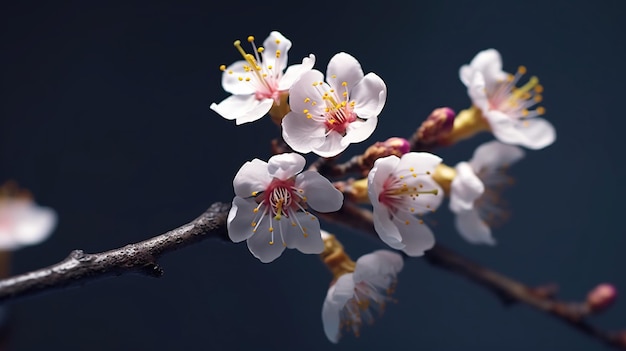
[[601, 297], [438, 125], [392, 146], [397, 146]]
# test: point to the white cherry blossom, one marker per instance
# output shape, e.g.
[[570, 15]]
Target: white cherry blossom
[[354, 297], [507, 109], [328, 116], [400, 189], [258, 81], [270, 209], [22, 221], [474, 191]]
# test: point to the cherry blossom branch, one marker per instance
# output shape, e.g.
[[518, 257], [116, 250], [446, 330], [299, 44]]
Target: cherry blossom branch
[[79, 267], [507, 289]]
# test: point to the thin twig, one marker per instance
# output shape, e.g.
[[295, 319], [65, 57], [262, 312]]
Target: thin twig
[[79, 267]]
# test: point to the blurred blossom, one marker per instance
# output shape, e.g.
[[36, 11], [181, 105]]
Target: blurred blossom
[[601, 297], [22, 221], [475, 190], [328, 116], [271, 203], [507, 109], [400, 189], [258, 82], [355, 296], [437, 126]]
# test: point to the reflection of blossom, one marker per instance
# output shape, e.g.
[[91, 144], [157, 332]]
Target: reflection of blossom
[[22, 221], [399, 189], [258, 81], [271, 203], [474, 191], [505, 107], [328, 116], [353, 298]]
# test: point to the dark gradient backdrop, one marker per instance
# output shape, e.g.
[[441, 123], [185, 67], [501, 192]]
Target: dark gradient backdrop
[[104, 116]]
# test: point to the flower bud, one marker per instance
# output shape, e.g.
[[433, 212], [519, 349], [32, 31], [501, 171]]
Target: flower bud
[[397, 146], [438, 125], [392, 146], [601, 297]]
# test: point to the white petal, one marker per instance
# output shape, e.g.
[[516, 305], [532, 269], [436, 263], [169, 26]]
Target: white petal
[[240, 218], [285, 166], [494, 155], [33, 224], [489, 63], [383, 168], [539, 133], [271, 46], [369, 95], [472, 228], [242, 108], [294, 237], [259, 244], [341, 68], [333, 145], [477, 91], [252, 176], [421, 162], [302, 134], [303, 90], [231, 82], [360, 130], [378, 267], [330, 318], [320, 193], [385, 228], [465, 74], [416, 237], [294, 72], [466, 187], [343, 289]]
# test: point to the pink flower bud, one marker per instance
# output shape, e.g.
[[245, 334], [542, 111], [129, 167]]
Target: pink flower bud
[[436, 126], [601, 297], [397, 146]]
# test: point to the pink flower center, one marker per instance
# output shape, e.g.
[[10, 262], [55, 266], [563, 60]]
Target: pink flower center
[[400, 192], [280, 196], [338, 119], [514, 101]]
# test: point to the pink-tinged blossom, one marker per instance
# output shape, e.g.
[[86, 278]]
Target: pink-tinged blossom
[[355, 297], [258, 81], [328, 116], [22, 221], [474, 192], [509, 110], [270, 209], [401, 189]]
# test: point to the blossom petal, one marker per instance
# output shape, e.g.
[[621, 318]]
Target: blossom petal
[[242, 108], [378, 267], [416, 237], [302, 134], [421, 162], [539, 133], [336, 298], [293, 72], [341, 68], [358, 131], [387, 231], [276, 42], [383, 168], [472, 228], [466, 187], [259, 245], [477, 91], [534, 133], [252, 176], [312, 243], [320, 193], [489, 63], [231, 81], [240, 218], [31, 225], [494, 154], [369, 95], [302, 93], [332, 146], [285, 166]]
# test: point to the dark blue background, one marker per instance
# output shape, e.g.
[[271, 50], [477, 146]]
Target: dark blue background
[[104, 116]]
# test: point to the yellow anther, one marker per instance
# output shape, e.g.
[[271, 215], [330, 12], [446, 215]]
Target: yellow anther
[[247, 79], [411, 169], [255, 210], [541, 110], [277, 53], [271, 242], [240, 78], [250, 39], [344, 84], [521, 69], [345, 94], [271, 229], [313, 103], [253, 224], [406, 222], [260, 49], [412, 209], [222, 68], [293, 224], [309, 116], [307, 100], [230, 71], [538, 98], [524, 112], [277, 41], [314, 84], [270, 67], [538, 88], [334, 76], [305, 111], [421, 221]]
